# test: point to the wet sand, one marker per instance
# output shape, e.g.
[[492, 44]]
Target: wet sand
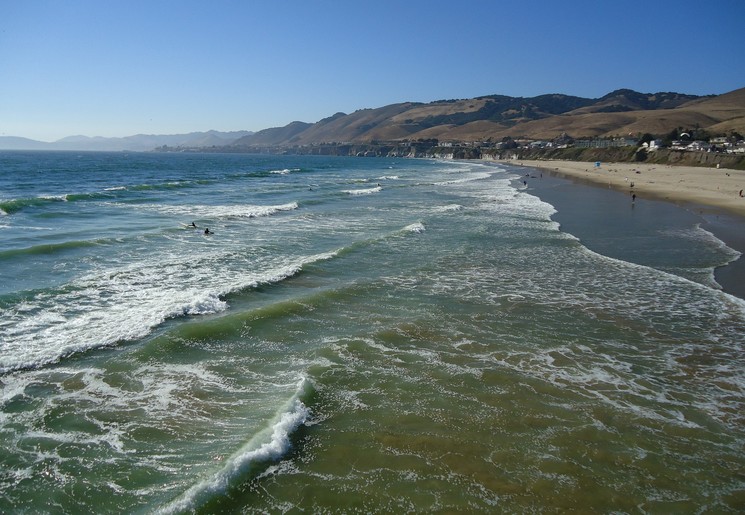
[[715, 187], [597, 205]]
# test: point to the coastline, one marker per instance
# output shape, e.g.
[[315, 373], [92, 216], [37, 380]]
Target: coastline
[[713, 187], [563, 184]]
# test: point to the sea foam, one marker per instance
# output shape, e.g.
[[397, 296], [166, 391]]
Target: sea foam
[[104, 308], [471, 177], [269, 445], [367, 191], [216, 212], [416, 228]]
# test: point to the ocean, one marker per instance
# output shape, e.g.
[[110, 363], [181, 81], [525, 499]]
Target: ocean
[[358, 335]]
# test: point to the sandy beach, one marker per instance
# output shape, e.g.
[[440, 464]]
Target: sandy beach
[[715, 187], [586, 192]]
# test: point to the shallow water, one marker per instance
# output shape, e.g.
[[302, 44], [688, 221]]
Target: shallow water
[[357, 334]]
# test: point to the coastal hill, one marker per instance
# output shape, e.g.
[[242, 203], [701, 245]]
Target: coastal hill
[[484, 121], [495, 117]]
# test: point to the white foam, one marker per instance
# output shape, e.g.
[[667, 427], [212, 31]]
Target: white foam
[[367, 191], [698, 234], [470, 178], [205, 304], [268, 445], [154, 394], [447, 209], [415, 227], [213, 212], [107, 307]]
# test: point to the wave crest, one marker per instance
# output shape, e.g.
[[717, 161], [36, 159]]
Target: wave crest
[[269, 445], [416, 228], [368, 191], [216, 212]]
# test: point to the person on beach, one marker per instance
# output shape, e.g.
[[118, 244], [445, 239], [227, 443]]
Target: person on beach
[[741, 193], [633, 197]]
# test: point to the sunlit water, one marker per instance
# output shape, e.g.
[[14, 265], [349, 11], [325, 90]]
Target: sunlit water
[[370, 335]]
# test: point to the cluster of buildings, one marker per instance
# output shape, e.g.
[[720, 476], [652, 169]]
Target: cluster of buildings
[[718, 144]]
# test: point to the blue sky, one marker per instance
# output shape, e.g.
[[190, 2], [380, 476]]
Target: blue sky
[[117, 68]]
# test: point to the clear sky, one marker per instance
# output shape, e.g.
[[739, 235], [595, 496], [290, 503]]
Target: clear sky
[[117, 68]]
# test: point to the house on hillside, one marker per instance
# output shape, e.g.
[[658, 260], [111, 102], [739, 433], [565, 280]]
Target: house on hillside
[[697, 146], [652, 145], [737, 148]]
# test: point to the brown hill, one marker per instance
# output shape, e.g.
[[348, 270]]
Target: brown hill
[[495, 117], [287, 134], [360, 125], [728, 109]]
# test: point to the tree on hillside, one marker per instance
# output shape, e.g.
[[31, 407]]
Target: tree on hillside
[[646, 138], [671, 136]]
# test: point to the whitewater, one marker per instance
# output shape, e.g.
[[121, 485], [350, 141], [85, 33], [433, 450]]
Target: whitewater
[[355, 334]]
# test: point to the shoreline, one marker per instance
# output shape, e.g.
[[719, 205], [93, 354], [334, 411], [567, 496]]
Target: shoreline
[[717, 188], [715, 209]]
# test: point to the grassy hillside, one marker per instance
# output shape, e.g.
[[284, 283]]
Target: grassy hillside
[[491, 118]]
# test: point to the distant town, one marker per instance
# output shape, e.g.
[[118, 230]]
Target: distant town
[[677, 147], [731, 145], [681, 147]]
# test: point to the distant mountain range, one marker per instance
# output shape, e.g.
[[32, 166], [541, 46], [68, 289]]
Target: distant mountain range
[[494, 117], [137, 143], [489, 118]]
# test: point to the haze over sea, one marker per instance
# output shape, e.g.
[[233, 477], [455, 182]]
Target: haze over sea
[[377, 335]]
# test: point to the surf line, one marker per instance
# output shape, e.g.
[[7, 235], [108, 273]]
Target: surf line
[[292, 415]]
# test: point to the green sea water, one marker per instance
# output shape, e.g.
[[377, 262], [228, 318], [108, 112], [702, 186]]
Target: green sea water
[[357, 335]]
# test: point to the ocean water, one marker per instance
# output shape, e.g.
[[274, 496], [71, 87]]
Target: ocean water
[[357, 335]]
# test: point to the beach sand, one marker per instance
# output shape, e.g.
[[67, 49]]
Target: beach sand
[[714, 187], [585, 196]]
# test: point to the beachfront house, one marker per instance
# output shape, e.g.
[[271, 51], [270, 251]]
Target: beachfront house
[[697, 146], [655, 144], [737, 148]]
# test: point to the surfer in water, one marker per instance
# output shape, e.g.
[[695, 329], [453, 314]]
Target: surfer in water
[[207, 231], [194, 225]]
